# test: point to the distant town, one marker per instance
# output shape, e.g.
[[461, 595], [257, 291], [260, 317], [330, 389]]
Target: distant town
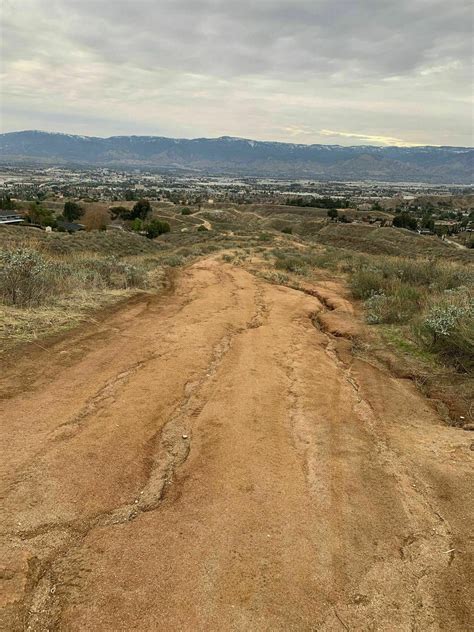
[[430, 209]]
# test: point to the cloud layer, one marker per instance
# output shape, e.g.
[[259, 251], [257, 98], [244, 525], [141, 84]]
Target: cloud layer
[[312, 71]]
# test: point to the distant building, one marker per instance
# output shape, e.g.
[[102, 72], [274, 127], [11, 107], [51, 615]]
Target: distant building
[[9, 217]]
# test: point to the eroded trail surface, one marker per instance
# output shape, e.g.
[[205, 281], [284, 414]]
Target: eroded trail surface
[[211, 460]]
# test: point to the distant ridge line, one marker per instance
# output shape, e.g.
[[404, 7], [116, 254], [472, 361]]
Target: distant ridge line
[[236, 138], [229, 155]]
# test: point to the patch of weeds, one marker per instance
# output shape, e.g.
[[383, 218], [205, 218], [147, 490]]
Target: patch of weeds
[[173, 261], [275, 277], [27, 278], [447, 327]]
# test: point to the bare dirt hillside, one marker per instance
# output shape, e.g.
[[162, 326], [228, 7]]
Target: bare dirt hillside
[[212, 460]]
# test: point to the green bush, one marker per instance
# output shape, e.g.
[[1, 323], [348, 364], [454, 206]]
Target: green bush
[[155, 228]]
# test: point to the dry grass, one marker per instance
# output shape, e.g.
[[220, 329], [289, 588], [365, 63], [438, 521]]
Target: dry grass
[[45, 289], [19, 325]]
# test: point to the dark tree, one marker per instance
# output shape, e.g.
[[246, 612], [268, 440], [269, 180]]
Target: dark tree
[[72, 211], [404, 220], [119, 211], [141, 209], [428, 222], [6, 203], [332, 213]]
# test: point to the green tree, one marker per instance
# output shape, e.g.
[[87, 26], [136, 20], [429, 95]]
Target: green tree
[[141, 209], [6, 203], [428, 222], [404, 220], [72, 211], [332, 213], [42, 216]]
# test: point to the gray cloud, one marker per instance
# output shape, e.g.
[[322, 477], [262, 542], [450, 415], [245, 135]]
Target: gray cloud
[[283, 69]]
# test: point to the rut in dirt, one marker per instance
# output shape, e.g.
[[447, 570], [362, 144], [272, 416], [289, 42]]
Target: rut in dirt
[[211, 460]]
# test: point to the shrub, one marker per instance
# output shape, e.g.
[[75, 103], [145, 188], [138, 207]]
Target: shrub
[[174, 261], [155, 228], [294, 264], [366, 282], [186, 211], [109, 273], [136, 225], [375, 306], [28, 279], [447, 328], [398, 307]]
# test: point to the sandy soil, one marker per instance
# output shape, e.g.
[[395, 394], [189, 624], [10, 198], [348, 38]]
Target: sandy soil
[[212, 460]]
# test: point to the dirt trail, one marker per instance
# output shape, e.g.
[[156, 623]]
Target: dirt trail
[[211, 460]]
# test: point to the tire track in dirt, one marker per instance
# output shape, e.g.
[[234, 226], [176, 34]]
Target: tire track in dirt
[[169, 448]]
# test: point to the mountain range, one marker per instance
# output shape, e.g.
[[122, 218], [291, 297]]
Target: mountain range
[[238, 156]]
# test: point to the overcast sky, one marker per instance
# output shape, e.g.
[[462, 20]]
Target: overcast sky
[[307, 71]]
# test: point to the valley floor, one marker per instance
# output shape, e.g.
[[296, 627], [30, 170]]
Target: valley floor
[[208, 459]]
